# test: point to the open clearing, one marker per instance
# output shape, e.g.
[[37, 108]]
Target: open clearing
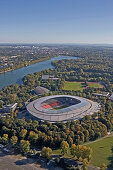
[[17, 162], [102, 151], [95, 85], [73, 86], [79, 86]]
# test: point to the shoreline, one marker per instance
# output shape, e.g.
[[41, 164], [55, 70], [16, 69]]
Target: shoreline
[[34, 62]]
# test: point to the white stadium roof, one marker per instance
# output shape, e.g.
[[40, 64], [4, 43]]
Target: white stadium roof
[[73, 112]]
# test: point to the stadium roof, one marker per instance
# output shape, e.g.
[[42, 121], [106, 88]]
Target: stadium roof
[[73, 112], [41, 90]]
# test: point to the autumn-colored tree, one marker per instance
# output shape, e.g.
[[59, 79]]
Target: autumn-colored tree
[[103, 167], [46, 152], [14, 140], [81, 152], [33, 137], [64, 147], [5, 139], [73, 150], [85, 164], [70, 141], [22, 133], [24, 146]]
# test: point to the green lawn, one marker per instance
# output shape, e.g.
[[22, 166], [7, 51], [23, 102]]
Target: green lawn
[[95, 85], [58, 152], [73, 86], [102, 151], [80, 85]]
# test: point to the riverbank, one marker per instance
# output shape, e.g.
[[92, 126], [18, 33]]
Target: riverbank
[[16, 76], [23, 64]]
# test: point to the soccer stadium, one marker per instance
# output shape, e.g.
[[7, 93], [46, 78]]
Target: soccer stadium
[[61, 108]]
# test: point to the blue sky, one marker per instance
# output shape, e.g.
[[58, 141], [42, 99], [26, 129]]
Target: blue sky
[[56, 21]]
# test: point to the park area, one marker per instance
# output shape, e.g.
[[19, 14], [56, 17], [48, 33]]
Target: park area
[[102, 152], [80, 86]]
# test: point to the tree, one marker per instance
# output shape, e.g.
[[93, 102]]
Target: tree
[[33, 137], [70, 141], [46, 152], [24, 146], [73, 150], [14, 140], [22, 133], [85, 163], [5, 138], [64, 147], [12, 98], [80, 151], [103, 167], [1, 103]]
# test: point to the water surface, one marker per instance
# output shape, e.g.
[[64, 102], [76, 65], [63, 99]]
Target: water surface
[[15, 76]]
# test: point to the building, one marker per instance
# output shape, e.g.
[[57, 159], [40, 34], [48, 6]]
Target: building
[[41, 90], [61, 108], [49, 77], [104, 94]]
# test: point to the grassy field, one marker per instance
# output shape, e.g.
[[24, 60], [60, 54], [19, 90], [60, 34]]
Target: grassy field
[[58, 152], [80, 85], [102, 152], [95, 85], [73, 86]]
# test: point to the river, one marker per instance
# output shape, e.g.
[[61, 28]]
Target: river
[[15, 76]]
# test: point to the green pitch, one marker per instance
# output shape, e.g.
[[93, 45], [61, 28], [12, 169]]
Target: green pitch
[[73, 86]]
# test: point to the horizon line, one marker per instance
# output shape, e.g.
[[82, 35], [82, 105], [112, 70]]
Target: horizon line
[[58, 43]]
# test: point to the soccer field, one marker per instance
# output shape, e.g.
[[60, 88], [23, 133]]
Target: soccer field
[[73, 86], [79, 86]]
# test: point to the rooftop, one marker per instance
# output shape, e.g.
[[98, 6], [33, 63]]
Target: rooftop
[[41, 90]]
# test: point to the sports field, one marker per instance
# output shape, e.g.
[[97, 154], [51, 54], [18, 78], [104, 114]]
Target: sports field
[[95, 85], [73, 86], [79, 86], [102, 152]]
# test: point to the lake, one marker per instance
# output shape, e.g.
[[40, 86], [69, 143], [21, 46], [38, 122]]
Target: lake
[[15, 76]]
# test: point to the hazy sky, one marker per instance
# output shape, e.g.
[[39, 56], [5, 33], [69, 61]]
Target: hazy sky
[[56, 21]]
